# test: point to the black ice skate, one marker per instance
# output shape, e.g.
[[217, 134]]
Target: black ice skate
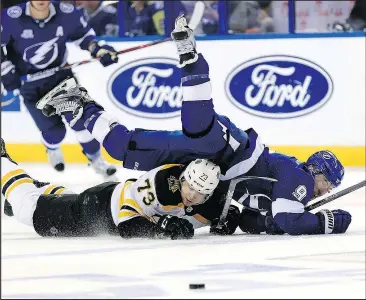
[[67, 96], [183, 37], [4, 153], [56, 159]]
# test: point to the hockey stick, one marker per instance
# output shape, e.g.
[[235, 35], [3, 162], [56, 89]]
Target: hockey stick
[[231, 190], [193, 23], [336, 195]]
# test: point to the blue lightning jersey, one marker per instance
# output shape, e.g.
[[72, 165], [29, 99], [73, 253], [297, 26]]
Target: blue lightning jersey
[[285, 197], [103, 20], [38, 45]]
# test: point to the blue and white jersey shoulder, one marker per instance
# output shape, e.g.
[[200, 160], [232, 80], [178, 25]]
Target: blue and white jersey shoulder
[[294, 189], [246, 146], [294, 182], [279, 182], [34, 45]]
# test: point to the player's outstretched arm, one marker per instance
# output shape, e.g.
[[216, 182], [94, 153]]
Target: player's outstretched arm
[[167, 227], [298, 222]]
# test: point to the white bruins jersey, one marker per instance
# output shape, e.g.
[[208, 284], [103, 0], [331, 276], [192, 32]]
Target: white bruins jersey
[[155, 193]]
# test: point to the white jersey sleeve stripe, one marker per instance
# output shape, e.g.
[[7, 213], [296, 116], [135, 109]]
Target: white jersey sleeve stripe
[[282, 205]]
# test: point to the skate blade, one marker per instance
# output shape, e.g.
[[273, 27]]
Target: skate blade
[[64, 85]]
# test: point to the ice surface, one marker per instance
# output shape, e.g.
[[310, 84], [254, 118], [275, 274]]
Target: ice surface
[[238, 266]]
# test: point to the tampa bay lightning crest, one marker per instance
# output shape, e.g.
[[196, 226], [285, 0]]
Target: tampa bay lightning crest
[[34, 46], [41, 55]]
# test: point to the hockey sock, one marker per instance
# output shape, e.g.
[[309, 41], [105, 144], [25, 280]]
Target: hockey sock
[[53, 137], [197, 101]]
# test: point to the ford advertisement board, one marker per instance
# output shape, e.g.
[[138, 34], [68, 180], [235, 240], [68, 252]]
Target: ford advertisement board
[[279, 86], [148, 88]]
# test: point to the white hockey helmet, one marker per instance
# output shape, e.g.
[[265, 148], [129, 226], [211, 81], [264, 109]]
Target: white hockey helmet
[[203, 176]]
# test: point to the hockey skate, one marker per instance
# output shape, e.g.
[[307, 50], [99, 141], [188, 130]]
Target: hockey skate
[[4, 153], [67, 96], [56, 159], [100, 166], [183, 37]]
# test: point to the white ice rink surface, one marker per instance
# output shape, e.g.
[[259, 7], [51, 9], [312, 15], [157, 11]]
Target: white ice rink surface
[[238, 266]]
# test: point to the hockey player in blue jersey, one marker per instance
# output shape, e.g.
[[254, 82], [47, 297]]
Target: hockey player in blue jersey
[[102, 18], [33, 44], [209, 135]]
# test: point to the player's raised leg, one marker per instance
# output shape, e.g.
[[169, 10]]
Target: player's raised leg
[[195, 80], [21, 191], [73, 101]]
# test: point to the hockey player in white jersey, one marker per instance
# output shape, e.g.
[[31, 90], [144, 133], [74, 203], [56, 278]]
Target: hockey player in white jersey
[[154, 205]]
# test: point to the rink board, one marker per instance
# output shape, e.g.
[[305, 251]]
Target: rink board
[[312, 98]]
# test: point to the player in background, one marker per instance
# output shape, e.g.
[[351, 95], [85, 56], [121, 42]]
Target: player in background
[[209, 135], [154, 205], [102, 18], [33, 44], [147, 17]]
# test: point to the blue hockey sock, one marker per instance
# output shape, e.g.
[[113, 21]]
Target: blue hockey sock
[[197, 112], [53, 137]]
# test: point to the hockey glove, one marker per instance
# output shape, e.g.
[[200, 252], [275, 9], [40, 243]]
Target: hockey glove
[[252, 221], [271, 227], [10, 78], [335, 221], [106, 53], [176, 228], [230, 224]]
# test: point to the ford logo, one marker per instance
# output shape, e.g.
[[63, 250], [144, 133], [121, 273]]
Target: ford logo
[[147, 88], [279, 86]]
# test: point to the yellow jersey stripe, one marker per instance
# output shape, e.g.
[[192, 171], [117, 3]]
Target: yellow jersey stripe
[[130, 202], [17, 183], [60, 191], [11, 174], [127, 213], [133, 204], [167, 166], [49, 189], [201, 219], [170, 207], [122, 196]]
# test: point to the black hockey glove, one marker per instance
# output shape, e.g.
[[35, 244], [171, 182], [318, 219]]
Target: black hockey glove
[[230, 224], [271, 226], [252, 221], [107, 54], [176, 228]]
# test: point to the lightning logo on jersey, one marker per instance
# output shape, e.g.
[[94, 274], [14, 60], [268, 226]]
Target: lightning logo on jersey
[[41, 55]]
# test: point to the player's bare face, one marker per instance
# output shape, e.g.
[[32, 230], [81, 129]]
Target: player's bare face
[[321, 186], [190, 196], [40, 5]]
